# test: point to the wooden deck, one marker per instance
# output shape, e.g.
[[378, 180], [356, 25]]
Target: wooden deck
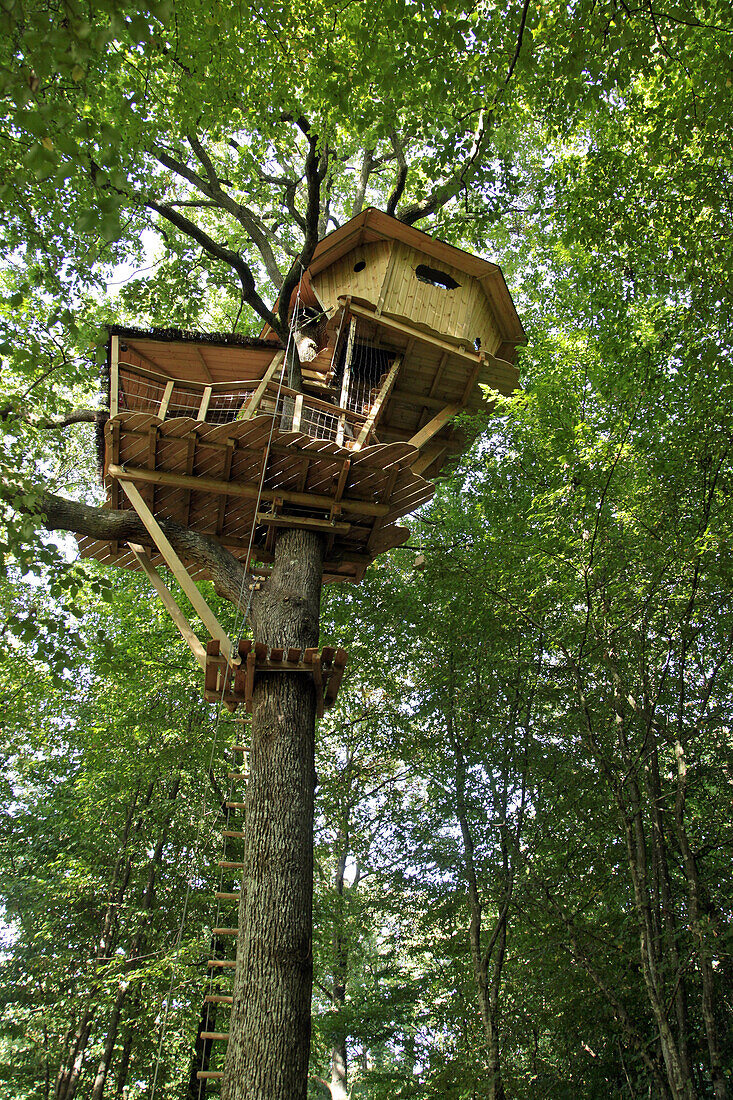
[[208, 477], [233, 686]]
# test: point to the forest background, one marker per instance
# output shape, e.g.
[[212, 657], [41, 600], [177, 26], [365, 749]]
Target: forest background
[[523, 881]]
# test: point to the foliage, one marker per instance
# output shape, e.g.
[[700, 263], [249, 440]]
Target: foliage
[[547, 701]]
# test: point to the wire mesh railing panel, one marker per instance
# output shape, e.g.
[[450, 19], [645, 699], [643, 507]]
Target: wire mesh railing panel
[[225, 407], [142, 393], [184, 402], [139, 394], [318, 424]]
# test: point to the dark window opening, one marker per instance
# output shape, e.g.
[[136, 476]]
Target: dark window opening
[[435, 277], [359, 265]]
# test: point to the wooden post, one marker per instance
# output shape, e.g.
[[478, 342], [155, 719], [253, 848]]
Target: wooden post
[[114, 377], [297, 415], [346, 382], [253, 403], [378, 405], [165, 402], [204, 406]]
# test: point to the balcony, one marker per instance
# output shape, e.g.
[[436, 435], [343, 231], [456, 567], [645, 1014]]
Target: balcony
[[138, 389]]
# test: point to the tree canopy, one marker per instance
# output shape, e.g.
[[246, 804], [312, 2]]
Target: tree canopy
[[523, 816]]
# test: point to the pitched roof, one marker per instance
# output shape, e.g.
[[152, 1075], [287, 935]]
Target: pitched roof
[[374, 225]]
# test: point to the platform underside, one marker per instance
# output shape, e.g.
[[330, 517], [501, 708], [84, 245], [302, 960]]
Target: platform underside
[[208, 477]]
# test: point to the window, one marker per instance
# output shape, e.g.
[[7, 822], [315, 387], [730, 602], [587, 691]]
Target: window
[[434, 277]]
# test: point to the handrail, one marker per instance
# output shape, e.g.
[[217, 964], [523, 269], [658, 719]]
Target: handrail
[[160, 404], [190, 383], [317, 402]]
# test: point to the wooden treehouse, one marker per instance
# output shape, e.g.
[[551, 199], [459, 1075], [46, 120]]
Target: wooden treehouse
[[397, 334]]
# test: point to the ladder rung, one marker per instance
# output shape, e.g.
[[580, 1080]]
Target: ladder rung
[[208, 1074], [220, 1035], [218, 999], [221, 964], [223, 896], [230, 866], [236, 805], [238, 834], [239, 775], [225, 931]]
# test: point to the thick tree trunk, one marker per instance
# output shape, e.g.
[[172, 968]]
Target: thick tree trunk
[[269, 1044]]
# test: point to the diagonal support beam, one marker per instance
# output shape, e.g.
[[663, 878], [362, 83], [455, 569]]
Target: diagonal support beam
[[434, 426], [179, 571], [253, 404], [377, 407], [166, 598]]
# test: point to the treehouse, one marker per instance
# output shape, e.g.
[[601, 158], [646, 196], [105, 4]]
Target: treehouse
[[397, 334]]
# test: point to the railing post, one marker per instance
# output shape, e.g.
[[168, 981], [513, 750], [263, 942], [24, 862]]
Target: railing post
[[346, 382], [114, 376]]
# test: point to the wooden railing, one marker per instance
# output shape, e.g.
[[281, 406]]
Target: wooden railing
[[139, 389]]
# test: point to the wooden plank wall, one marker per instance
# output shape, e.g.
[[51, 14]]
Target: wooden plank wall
[[340, 278], [463, 313]]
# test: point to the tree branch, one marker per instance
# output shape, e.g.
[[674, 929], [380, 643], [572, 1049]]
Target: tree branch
[[399, 187], [60, 514], [212, 188], [316, 167], [446, 191], [520, 36], [367, 165], [76, 416], [219, 252]]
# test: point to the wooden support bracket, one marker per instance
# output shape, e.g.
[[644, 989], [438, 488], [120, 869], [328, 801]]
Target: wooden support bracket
[[326, 666], [434, 426], [169, 603], [179, 571]]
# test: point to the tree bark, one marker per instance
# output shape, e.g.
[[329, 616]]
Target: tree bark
[[269, 1044], [340, 965], [668, 919], [698, 923]]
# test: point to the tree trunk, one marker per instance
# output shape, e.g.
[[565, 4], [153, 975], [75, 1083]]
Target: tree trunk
[[138, 947], [123, 1069], [269, 1044], [668, 919], [698, 923], [340, 969], [67, 1079]]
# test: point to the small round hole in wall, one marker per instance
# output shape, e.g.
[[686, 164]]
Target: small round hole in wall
[[359, 265]]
